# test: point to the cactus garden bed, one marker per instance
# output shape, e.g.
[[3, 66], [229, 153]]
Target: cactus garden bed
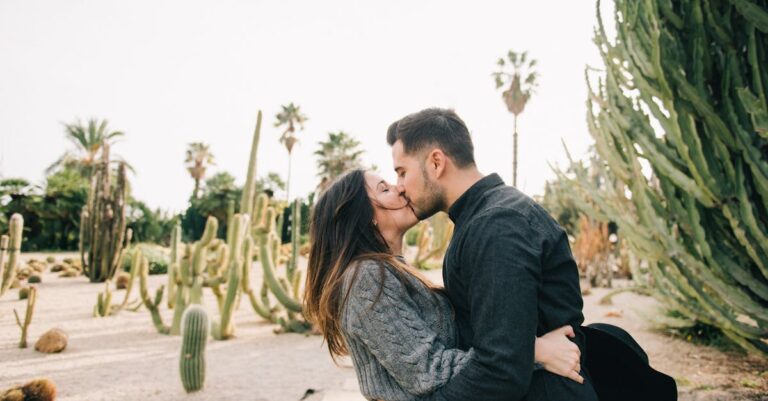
[[123, 357]]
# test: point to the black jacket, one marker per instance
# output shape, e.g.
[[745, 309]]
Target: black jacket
[[510, 276]]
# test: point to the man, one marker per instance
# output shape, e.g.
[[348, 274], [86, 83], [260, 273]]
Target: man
[[508, 270]]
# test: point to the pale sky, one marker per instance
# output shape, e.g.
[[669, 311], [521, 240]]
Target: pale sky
[[168, 73]]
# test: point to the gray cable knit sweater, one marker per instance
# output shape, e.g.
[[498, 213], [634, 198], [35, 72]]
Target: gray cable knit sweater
[[402, 344]]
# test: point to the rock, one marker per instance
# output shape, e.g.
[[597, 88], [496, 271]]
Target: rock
[[54, 340], [15, 283], [69, 273], [36, 390], [121, 282], [39, 390], [57, 268], [614, 313]]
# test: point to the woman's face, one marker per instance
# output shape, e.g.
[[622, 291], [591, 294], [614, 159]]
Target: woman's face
[[391, 211]]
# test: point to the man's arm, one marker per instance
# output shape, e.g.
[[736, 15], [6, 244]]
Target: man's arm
[[501, 265]]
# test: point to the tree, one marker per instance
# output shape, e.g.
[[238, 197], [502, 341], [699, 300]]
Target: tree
[[199, 158], [520, 83], [88, 140], [290, 117], [335, 156]]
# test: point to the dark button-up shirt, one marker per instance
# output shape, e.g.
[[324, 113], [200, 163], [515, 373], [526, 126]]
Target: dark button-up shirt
[[510, 276]]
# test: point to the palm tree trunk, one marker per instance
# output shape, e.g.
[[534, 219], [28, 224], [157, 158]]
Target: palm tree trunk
[[514, 155], [288, 184], [197, 188]]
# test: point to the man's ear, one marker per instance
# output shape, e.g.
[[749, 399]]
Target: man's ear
[[437, 163]]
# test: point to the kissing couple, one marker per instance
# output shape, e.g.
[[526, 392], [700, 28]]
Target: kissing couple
[[507, 325]]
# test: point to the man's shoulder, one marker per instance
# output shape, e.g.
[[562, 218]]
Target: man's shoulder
[[508, 208]]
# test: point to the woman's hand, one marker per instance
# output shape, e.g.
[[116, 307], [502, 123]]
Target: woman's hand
[[558, 354]]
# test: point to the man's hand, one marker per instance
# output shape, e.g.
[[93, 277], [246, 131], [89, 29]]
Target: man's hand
[[558, 354]]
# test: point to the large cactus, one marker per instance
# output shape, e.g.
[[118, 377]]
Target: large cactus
[[11, 244], [194, 338], [240, 244], [102, 221], [685, 91]]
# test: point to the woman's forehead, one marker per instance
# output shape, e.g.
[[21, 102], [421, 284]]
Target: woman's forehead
[[372, 179]]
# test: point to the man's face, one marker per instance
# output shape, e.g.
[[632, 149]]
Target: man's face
[[423, 193]]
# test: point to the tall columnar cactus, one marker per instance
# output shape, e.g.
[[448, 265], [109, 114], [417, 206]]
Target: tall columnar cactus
[[173, 266], [11, 244], [189, 278], [31, 298], [241, 246], [194, 338], [102, 221], [684, 90]]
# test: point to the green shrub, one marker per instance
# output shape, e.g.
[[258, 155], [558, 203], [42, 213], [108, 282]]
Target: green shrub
[[159, 257]]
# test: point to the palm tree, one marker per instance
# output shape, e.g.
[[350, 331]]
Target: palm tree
[[290, 116], [88, 140], [335, 156], [521, 84], [199, 158]]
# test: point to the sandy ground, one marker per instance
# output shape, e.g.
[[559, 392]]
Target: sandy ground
[[123, 358]]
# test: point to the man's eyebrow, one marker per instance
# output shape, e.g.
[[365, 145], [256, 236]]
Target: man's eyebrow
[[397, 168]]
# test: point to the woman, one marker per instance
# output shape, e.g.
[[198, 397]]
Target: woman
[[397, 327]]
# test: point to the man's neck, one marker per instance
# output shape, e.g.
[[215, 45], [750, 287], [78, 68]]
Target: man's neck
[[460, 183]]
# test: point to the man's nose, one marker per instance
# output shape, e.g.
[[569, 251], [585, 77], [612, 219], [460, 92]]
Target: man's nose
[[400, 188]]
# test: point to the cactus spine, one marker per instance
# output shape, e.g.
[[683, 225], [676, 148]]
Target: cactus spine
[[12, 243], [102, 221], [194, 338], [32, 296]]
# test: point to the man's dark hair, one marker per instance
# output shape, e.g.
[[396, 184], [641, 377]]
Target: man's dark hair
[[441, 128]]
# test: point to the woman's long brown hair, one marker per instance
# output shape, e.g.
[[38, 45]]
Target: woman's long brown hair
[[341, 233]]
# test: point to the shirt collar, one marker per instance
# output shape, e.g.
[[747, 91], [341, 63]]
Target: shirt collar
[[473, 195]]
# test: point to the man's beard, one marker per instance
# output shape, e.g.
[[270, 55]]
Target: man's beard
[[433, 200]]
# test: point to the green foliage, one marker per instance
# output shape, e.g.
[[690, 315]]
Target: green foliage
[[157, 256], [339, 153], [684, 93], [149, 225]]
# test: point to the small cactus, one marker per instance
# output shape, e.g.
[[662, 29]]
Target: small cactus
[[50, 259], [27, 318], [35, 279], [194, 337], [23, 293]]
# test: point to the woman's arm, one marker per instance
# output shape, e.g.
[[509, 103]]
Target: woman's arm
[[389, 325], [559, 355]]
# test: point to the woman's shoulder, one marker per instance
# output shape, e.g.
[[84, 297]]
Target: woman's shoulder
[[365, 272]]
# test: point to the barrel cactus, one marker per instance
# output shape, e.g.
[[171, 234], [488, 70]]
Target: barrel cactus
[[194, 337]]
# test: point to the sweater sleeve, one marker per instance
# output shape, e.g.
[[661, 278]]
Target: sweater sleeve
[[381, 314]]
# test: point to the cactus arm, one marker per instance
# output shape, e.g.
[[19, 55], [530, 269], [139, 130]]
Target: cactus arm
[[27, 317]]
